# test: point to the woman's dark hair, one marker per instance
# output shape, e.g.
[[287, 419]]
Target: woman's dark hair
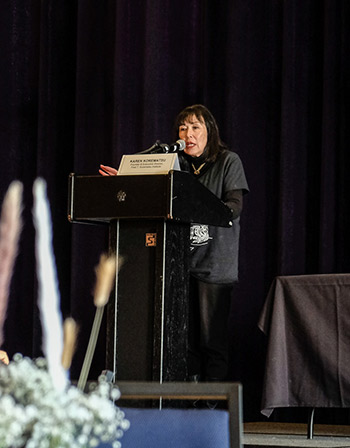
[[214, 144]]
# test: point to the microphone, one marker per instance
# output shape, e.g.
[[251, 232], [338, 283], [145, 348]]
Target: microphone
[[159, 148], [179, 145], [154, 148]]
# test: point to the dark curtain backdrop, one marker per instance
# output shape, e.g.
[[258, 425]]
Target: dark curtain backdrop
[[83, 82]]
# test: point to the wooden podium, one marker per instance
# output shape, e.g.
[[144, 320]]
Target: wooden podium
[[149, 219]]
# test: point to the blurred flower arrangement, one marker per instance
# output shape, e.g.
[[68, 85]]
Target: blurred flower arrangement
[[35, 414], [39, 407]]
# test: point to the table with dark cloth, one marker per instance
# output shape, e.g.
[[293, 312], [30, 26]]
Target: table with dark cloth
[[307, 322]]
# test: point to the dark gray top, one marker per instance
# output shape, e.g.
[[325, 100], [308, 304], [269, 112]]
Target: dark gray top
[[214, 250]]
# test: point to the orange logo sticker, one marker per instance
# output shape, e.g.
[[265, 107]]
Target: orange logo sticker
[[151, 239]]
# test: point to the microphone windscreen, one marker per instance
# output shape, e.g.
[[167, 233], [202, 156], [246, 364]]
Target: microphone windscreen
[[182, 144]]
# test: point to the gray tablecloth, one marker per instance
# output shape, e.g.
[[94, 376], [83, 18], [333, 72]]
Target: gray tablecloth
[[307, 322]]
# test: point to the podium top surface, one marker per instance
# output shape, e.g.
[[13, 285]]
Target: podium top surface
[[173, 196]]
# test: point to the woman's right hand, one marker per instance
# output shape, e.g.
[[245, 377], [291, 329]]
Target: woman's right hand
[[3, 357], [107, 170]]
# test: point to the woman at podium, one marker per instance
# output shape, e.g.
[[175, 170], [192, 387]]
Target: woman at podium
[[214, 250]]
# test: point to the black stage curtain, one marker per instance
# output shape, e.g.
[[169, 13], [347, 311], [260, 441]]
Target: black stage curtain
[[83, 82]]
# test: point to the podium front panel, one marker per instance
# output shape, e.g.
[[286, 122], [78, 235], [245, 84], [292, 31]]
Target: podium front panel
[[150, 305]]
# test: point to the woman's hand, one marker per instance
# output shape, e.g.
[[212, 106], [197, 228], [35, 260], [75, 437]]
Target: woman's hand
[[3, 357], [107, 171]]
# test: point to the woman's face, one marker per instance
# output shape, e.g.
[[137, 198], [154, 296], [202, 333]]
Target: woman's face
[[194, 133]]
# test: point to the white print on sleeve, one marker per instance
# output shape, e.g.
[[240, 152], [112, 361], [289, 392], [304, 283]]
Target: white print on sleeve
[[199, 235]]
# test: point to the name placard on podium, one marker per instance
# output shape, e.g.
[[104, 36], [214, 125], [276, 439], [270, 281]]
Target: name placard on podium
[[137, 164]]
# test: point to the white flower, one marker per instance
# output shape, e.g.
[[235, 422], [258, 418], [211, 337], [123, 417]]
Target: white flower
[[35, 414]]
